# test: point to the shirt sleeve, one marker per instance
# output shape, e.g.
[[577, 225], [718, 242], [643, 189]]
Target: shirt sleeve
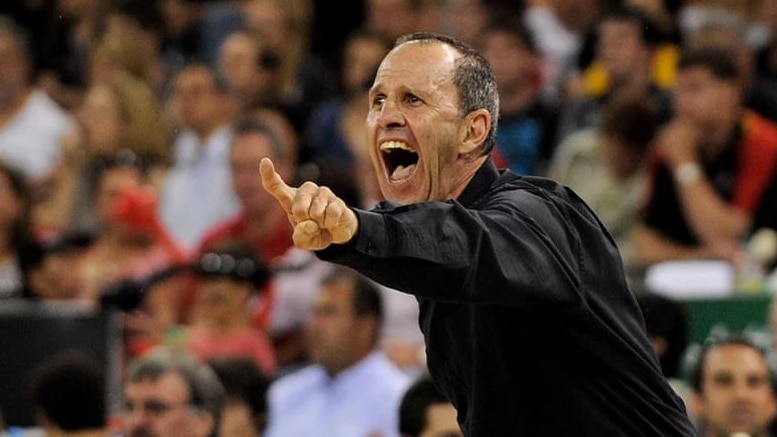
[[518, 251]]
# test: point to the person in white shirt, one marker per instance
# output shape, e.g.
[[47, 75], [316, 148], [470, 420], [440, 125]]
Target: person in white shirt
[[32, 125], [197, 193], [352, 390]]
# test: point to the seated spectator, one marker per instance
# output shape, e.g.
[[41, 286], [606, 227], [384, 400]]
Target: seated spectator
[[68, 391], [303, 78], [120, 117], [425, 412], [250, 71], [728, 33], [733, 383], [336, 130], [351, 389], [169, 393], [131, 242], [626, 45], [245, 389], [262, 224], [616, 153], [526, 135], [199, 180], [714, 173], [33, 125], [229, 276]]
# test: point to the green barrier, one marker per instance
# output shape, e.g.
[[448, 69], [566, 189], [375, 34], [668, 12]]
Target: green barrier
[[736, 313]]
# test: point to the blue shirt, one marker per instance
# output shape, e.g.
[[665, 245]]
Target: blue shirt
[[359, 401]]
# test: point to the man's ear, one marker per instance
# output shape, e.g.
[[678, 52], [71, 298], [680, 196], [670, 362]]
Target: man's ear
[[475, 131]]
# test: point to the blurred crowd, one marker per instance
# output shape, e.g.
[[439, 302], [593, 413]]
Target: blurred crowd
[[130, 138]]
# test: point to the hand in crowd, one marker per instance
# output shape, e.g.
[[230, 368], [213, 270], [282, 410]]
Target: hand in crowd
[[678, 142], [318, 216]]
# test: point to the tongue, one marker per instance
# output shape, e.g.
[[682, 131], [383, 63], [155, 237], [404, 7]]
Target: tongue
[[402, 172]]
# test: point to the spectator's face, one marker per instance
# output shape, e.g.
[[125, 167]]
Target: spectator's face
[[420, 146], [239, 62], [196, 98], [337, 337], [736, 394], [161, 408], [111, 184], [441, 422], [704, 99], [269, 22], [362, 57], [223, 299], [621, 50], [514, 64], [246, 154], [102, 121]]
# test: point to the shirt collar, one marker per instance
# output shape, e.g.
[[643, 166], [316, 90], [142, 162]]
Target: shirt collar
[[484, 178], [212, 146]]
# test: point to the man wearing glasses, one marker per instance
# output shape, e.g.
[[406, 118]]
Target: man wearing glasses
[[169, 393]]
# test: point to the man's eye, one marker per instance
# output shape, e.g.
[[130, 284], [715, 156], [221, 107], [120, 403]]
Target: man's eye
[[378, 100], [410, 98]]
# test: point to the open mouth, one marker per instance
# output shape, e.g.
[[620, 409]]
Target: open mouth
[[399, 159]]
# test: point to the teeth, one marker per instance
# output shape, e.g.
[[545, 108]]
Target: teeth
[[390, 145]]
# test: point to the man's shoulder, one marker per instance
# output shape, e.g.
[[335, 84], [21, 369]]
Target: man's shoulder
[[299, 382]]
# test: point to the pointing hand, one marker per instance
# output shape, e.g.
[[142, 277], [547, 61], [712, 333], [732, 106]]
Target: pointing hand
[[319, 218]]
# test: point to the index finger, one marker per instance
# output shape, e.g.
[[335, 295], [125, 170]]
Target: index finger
[[274, 184]]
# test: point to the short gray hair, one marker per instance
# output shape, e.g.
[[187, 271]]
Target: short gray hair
[[205, 390]]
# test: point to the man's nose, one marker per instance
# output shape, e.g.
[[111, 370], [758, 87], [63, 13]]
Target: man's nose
[[390, 114]]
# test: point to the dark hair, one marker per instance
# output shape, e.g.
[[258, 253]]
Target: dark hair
[[205, 390], [417, 399], [473, 77], [632, 117], [244, 382], [101, 165], [719, 61], [648, 31], [220, 83], [696, 356], [70, 390]]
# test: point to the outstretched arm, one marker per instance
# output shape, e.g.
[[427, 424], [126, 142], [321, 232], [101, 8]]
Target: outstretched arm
[[318, 216]]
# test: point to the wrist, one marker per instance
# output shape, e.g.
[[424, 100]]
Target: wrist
[[687, 173]]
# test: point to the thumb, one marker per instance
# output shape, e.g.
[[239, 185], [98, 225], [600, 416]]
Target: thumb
[[274, 184]]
